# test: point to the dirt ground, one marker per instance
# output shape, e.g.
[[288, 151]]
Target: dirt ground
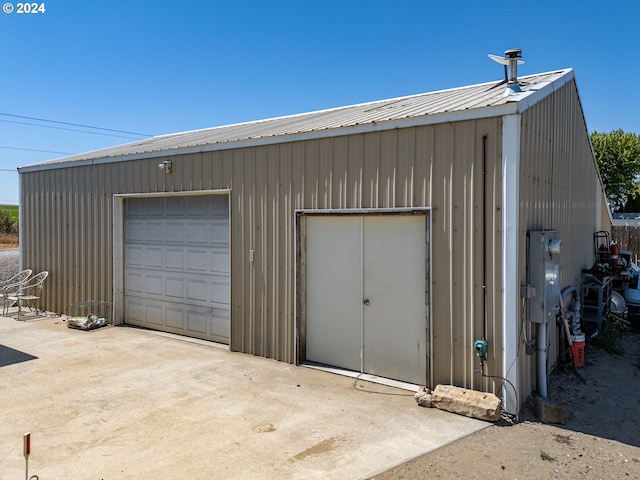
[[600, 437]]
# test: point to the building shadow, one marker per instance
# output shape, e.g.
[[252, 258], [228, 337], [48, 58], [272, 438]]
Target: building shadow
[[11, 356]]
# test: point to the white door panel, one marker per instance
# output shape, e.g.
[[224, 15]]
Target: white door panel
[[334, 302], [394, 283]]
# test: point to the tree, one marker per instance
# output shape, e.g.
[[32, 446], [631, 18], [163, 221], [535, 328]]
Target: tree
[[618, 157]]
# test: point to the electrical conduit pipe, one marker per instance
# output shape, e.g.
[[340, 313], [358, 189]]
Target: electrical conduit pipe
[[542, 359]]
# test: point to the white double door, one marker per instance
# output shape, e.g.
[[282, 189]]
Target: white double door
[[366, 301]]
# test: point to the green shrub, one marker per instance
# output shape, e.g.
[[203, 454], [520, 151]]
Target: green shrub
[[8, 224], [610, 337]]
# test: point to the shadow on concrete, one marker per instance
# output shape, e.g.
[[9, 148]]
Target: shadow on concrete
[[10, 356]]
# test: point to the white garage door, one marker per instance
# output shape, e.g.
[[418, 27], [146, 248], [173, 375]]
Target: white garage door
[[366, 307], [176, 259]]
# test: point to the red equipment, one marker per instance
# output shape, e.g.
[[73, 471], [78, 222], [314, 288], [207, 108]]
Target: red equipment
[[615, 255]]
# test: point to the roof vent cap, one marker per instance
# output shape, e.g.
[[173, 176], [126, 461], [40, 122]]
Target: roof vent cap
[[511, 60]]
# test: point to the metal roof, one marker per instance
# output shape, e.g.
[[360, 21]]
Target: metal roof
[[475, 101], [626, 222]]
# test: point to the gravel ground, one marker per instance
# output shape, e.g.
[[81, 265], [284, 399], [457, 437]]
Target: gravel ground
[[600, 439], [9, 263]]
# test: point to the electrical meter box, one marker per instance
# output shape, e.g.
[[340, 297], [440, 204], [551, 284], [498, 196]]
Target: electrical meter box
[[544, 275]]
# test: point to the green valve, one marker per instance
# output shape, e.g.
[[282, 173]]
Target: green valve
[[481, 348]]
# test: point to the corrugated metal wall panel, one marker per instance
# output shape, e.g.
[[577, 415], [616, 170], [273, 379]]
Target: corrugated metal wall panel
[[68, 217], [68, 232], [493, 235], [438, 190], [558, 191]]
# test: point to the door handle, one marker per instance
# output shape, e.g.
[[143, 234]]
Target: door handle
[[366, 301]]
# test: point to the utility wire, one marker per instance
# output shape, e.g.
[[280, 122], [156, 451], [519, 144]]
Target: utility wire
[[69, 129], [74, 124], [35, 150]]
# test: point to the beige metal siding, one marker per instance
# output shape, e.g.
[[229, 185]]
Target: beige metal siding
[[68, 217], [558, 191]]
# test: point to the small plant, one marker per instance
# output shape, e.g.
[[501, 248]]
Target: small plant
[[546, 456], [610, 337]]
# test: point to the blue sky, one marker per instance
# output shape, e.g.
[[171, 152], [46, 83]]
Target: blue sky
[[155, 67]]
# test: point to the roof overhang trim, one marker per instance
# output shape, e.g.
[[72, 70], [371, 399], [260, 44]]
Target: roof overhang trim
[[433, 119]]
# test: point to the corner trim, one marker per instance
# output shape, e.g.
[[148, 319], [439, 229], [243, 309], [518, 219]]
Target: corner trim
[[510, 245]]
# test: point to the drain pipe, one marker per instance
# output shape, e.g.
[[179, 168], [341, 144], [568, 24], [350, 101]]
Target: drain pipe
[[481, 346], [484, 237]]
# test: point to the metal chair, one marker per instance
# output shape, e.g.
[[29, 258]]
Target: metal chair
[[11, 286], [17, 278], [25, 291]]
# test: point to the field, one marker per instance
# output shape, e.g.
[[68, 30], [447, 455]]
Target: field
[[12, 209], [8, 241]]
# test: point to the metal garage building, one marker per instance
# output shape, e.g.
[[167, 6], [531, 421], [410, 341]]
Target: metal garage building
[[381, 238]]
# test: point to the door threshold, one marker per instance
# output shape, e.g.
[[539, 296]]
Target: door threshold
[[363, 376], [177, 336]]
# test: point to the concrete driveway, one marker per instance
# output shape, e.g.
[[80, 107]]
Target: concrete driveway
[[124, 403]]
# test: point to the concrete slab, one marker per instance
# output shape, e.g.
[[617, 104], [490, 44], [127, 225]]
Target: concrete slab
[[124, 403]]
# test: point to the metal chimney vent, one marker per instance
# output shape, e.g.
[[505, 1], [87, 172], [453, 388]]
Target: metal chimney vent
[[511, 60]]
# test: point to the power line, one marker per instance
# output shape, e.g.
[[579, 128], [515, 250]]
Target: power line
[[34, 150], [74, 124], [63, 128]]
